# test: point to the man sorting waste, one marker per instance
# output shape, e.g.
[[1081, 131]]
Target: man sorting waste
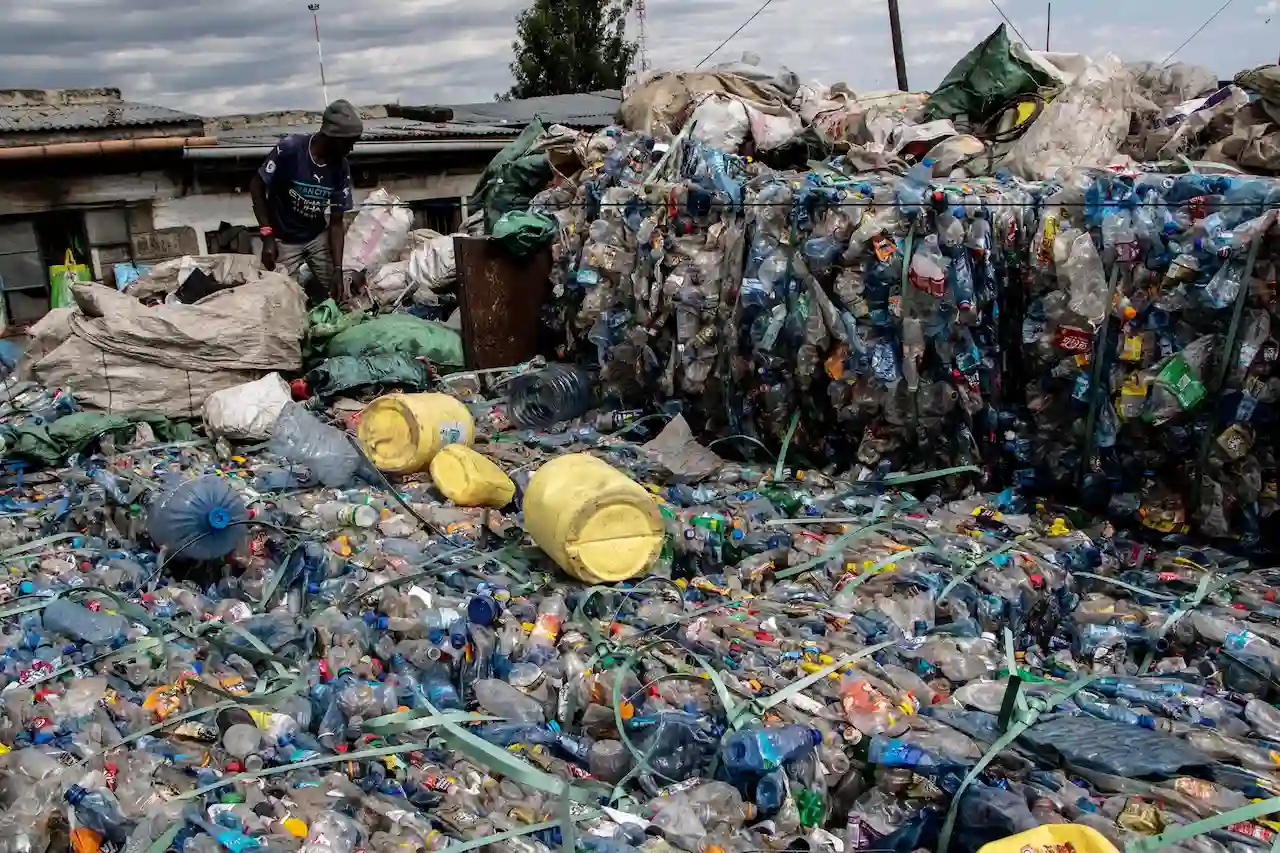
[[299, 196]]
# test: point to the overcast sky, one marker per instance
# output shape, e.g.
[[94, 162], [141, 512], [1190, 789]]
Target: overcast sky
[[248, 55]]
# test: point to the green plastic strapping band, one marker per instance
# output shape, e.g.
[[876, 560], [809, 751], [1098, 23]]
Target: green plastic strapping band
[[833, 548], [1025, 719], [1011, 661], [1099, 356], [786, 444], [165, 840], [435, 567], [760, 706], [903, 479], [1161, 596], [1210, 824], [963, 575], [39, 543], [1229, 357], [1205, 588]]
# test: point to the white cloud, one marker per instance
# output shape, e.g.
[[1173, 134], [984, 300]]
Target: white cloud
[[241, 55]]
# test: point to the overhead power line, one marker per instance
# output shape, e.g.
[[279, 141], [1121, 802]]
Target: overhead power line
[[1212, 18], [1012, 26], [755, 15]]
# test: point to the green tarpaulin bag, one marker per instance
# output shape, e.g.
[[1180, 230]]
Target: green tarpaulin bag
[[323, 322], [50, 444], [345, 374], [522, 233], [513, 177], [989, 75], [399, 334]]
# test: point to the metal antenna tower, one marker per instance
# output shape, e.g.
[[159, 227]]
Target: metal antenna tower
[[642, 36]]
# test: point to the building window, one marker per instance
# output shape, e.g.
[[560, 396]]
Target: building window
[[439, 214], [28, 247]]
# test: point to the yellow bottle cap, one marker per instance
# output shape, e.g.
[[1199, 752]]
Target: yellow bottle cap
[[295, 827]]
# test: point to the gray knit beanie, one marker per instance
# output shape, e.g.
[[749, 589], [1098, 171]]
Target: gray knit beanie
[[341, 121]]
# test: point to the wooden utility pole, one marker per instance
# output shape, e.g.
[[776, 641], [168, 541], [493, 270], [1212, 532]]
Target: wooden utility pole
[[899, 59]]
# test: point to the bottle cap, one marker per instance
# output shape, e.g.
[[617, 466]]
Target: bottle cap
[[483, 610]]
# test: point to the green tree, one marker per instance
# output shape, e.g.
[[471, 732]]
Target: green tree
[[564, 47]]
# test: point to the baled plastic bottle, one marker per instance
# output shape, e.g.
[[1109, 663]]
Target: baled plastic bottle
[[69, 619], [759, 750], [502, 700]]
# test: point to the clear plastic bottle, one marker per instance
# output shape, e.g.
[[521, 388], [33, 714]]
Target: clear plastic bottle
[[502, 700], [204, 517], [303, 439], [1087, 281], [913, 186], [68, 619], [332, 832], [347, 514], [546, 630], [556, 393], [99, 811]]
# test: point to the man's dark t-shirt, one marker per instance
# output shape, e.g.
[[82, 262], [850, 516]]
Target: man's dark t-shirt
[[301, 193]]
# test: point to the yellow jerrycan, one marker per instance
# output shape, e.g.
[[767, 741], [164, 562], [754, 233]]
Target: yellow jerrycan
[[402, 433], [599, 525]]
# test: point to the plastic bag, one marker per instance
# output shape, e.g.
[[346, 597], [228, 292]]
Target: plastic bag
[[389, 282], [721, 122], [248, 411], [1083, 126], [379, 233], [432, 264]]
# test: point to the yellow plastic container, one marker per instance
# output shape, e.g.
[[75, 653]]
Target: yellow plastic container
[[1053, 836], [595, 522], [402, 433], [469, 479]]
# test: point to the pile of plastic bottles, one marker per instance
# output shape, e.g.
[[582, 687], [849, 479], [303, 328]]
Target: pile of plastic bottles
[[1150, 361], [1104, 338], [203, 653]]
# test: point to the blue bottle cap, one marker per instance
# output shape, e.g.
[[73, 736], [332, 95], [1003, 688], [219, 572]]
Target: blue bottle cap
[[483, 610]]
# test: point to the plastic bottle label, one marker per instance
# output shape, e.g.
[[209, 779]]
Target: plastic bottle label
[[1132, 350], [1073, 339], [1248, 404], [1045, 253], [1177, 377], [451, 432]]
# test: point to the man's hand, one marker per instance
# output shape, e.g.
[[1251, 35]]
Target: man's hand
[[269, 253]]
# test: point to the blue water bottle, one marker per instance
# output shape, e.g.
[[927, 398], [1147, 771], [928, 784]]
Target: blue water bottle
[[203, 517]]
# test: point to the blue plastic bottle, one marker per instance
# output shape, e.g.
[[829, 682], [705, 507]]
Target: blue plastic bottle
[[100, 812], [438, 687], [911, 189], [204, 517], [763, 749], [770, 792]]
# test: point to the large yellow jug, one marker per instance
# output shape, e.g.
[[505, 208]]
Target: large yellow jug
[[1053, 838], [469, 479], [402, 433], [599, 525]]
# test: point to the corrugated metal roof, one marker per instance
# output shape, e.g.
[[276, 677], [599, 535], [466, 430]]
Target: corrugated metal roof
[[375, 130], [592, 109], [29, 119]]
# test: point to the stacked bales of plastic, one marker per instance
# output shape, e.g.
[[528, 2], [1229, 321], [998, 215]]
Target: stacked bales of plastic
[[1148, 357]]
